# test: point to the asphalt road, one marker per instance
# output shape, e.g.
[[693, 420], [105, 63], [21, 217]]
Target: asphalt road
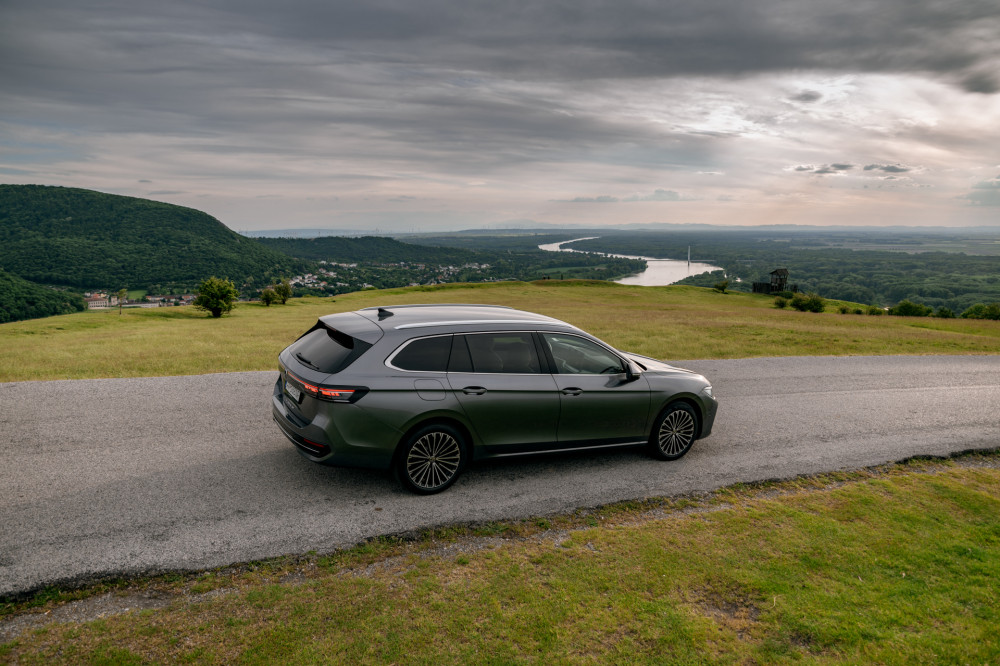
[[128, 476]]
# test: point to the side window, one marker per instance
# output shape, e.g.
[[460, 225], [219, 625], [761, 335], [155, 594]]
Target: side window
[[424, 354], [577, 356], [508, 353]]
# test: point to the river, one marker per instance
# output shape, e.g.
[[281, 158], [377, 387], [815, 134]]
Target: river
[[658, 272]]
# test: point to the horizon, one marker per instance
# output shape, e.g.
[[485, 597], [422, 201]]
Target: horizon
[[400, 119]]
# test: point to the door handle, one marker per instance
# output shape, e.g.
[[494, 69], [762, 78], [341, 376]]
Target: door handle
[[473, 390], [572, 391]]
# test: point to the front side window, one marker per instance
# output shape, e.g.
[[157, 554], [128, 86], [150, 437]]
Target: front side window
[[577, 356], [507, 353]]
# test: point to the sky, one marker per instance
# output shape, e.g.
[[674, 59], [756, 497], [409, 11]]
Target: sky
[[395, 116]]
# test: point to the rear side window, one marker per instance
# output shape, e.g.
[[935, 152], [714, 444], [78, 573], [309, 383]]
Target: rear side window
[[424, 355], [507, 353], [327, 350]]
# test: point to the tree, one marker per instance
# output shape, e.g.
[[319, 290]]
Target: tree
[[268, 296], [122, 294], [217, 296], [721, 286], [283, 290]]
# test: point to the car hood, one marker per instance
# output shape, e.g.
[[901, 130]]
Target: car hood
[[652, 365]]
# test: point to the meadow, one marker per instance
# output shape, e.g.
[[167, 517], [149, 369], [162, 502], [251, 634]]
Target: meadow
[[676, 322]]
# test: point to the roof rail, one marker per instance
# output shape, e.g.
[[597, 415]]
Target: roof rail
[[436, 305]]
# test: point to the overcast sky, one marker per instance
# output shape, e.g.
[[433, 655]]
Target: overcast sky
[[436, 114]]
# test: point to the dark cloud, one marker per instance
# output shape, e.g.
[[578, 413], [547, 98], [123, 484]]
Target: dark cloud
[[887, 168], [824, 169], [807, 96]]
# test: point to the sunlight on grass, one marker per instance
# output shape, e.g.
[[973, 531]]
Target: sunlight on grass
[[662, 322]]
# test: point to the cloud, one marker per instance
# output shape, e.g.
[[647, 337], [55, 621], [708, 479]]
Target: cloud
[[160, 193], [824, 169], [887, 168], [600, 199], [992, 184], [657, 195], [985, 193], [807, 96]]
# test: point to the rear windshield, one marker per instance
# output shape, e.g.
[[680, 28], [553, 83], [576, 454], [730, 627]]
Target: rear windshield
[[327, 350]]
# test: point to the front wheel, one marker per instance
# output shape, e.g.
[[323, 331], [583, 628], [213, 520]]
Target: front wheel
[[674, 432], [431, 459]]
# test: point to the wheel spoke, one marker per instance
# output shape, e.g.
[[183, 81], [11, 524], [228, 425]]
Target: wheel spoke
[[433, 460], [676, 432]]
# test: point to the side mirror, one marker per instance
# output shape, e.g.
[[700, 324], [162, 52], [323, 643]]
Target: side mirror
[[632, 371]]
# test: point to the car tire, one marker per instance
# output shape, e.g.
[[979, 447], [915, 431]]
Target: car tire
[[431, 459], [674, 431]]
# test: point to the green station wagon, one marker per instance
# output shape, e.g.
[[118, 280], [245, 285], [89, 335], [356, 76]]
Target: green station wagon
[[425, 389]]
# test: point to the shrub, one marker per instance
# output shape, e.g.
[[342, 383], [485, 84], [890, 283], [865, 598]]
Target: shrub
[[944, 313], [808, 302], [780, 302], [785, 294], [721, 286], [858, 311], [981, 311], [216, 296], [875, 311], [843, 309], [906, 308], [283, 291]]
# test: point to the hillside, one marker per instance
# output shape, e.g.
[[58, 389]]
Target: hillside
[[86, 239], [20, 299], [368, 249]]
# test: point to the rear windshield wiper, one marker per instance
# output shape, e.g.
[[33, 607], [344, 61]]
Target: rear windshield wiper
[[306, 361]]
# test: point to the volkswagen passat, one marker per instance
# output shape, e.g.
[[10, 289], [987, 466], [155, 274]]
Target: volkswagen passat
[[424, 389]]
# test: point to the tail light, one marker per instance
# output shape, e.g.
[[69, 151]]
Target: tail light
[[329, 393]]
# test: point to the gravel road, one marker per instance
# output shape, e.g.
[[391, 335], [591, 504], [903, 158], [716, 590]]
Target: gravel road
[[127, 476]]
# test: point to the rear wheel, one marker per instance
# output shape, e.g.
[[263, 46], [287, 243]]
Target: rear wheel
[[431, 459], [674, 431]]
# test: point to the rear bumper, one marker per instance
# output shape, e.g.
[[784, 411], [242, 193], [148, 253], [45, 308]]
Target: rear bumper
[[323, 440]]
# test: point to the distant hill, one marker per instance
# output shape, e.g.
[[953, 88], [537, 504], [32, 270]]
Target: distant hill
[[86, 239], [20, 299], [377, 249]]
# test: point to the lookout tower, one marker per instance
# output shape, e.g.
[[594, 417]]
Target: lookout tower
[[778, 283]]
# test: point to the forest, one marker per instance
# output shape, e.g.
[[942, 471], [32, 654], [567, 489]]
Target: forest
[[20, 299], [91, 240]]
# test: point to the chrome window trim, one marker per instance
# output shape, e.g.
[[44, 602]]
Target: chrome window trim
[[406, 343], [428, 324]]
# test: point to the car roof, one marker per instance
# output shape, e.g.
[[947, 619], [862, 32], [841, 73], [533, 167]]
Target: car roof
[[432, 315]]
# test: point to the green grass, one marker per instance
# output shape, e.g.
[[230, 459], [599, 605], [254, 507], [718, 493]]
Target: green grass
[[897, 565], [662, 322]]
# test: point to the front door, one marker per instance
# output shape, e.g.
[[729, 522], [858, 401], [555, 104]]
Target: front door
[[598, 403]]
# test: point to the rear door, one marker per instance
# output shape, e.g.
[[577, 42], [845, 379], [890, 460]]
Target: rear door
[[511, 403]]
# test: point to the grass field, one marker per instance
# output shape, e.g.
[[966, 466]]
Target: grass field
[[896, 565], [662, 322]]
